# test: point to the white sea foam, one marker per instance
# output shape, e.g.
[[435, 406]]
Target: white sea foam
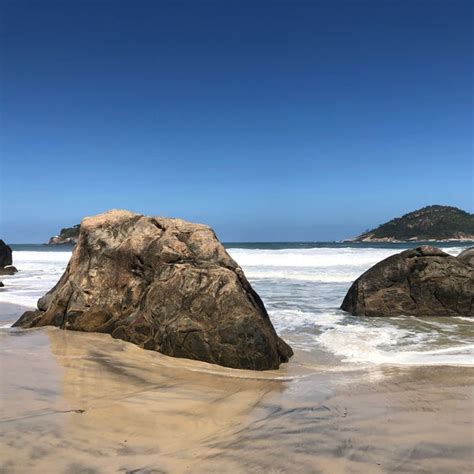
[[328, 265], [295, 274], [376, 341], [455, 251], [30, 259], [313, 257], [293, 319], [38, 273], [389, 345]]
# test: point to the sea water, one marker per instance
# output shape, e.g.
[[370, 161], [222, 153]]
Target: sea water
[[302, 286]]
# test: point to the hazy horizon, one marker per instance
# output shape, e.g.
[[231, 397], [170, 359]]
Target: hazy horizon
[[335, 240], [268, 120]]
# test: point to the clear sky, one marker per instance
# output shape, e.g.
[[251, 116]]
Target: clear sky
[[269, 120]]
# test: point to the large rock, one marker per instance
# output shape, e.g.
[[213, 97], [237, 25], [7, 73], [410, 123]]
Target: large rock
[[422, 282], [163, 284], [467, 256], [5, 254]]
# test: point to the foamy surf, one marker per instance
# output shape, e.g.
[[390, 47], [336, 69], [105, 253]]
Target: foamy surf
[[391, 345], [38, 273], [314, 257]]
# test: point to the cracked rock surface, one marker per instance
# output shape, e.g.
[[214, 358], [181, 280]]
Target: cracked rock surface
[[166, 285], [421, 282]]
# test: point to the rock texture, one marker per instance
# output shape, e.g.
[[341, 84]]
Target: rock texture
[[467, 256], [422, 282], [165, 285], [5, 254]]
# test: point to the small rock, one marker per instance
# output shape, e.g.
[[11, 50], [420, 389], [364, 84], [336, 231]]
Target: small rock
[[8, 270]]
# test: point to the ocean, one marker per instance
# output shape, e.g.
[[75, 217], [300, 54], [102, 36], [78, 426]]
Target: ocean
[[302, 286]]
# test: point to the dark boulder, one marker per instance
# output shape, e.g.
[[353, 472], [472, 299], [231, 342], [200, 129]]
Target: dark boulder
[[165, 285], [5, 254], [422, 282]]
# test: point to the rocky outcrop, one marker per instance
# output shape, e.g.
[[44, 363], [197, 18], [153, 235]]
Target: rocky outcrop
[[467, 256], [422, 282], [68, 235], [165, 285], [5, 254]]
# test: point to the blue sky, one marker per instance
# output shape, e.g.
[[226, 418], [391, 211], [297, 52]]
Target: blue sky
[[269, 120]]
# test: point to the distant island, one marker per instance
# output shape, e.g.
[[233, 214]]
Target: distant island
[[429, 223], [68, 235]]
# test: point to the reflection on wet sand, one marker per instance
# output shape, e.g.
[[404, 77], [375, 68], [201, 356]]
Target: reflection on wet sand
[[74, 402]]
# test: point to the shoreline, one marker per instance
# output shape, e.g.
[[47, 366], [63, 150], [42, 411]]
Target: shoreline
[[10, 312], [103, 405]]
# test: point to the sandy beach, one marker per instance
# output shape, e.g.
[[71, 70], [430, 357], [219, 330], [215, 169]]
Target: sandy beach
[[75, 402]]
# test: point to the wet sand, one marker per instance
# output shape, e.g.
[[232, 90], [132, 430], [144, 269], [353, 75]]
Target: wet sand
[[10, 312], [75, 402]]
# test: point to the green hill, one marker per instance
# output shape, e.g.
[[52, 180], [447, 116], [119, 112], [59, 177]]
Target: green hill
[[68, 235], [428, 223]]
